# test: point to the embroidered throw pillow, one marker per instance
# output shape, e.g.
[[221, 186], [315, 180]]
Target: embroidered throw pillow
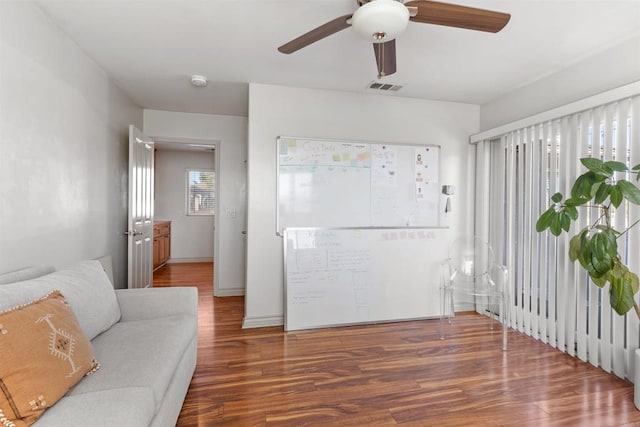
[[43, 353]]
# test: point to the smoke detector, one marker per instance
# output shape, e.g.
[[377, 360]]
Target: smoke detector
[[198, 80]]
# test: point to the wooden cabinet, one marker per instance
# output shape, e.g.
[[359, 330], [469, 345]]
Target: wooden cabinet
[[161, 243]]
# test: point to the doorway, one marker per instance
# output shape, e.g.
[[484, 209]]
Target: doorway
[[185, 201]]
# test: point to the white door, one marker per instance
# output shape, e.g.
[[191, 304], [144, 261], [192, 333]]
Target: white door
[[140, 225]]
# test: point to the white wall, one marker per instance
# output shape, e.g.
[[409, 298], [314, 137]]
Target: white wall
[[63, 148], [191, 236], [608, 69], [230, 135], [276, 110]]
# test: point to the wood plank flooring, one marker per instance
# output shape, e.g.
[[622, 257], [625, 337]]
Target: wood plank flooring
[[386, 374]]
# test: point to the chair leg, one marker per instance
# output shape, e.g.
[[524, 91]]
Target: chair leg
[[491, 307], [443, 305], [451, 312], [444, 295], [504, 315]]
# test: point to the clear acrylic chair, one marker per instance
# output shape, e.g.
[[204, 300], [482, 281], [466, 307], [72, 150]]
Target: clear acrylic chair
[[471, 270]]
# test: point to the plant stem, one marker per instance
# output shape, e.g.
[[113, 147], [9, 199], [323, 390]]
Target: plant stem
[[628, 228], [600, 217], [636, 308]]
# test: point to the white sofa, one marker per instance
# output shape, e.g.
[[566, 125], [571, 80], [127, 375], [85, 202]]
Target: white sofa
[[144, 339]]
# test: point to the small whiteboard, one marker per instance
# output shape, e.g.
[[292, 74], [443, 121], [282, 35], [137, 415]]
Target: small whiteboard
[[328, 183], [361, 275]]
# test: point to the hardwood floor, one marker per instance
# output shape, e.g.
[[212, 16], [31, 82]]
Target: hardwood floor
[[386, 374]]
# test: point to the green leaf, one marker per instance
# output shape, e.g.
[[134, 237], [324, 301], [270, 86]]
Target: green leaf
[[615, 195], [621, 290], [556, 198], [616, 166], [582, 186], [596, 166], [565, 221], [606, 237], [556, 224], [603, 192], [544, 221], [633, 282], [601, 264], [584, 255], [600, 281], [636, 167], [593, 164], [618, 271], [629, 191], [575, 201], [574, 247], [571, 212]]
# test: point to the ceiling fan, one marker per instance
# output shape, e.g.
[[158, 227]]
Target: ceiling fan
[[383, 20]]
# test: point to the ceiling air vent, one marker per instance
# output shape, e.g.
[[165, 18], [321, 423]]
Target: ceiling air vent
[[384, 87]]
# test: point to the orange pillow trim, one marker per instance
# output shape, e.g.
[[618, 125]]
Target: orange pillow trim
[[43, 353]]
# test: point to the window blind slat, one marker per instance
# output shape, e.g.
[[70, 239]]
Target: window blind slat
[[527, 189], [548, 290], [552, 291], [606, 349], [522, 260], [595, 308], [570, 326], [618, 356], [537, 271], [516, 314], [582, 290], [562, 282]]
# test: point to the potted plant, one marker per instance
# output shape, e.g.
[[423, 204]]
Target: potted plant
[[596, 245]]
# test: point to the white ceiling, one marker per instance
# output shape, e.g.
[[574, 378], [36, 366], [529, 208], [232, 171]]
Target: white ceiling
[[152, 47]]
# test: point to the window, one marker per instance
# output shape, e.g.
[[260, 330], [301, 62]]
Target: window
[[201, 192], [552, 298]]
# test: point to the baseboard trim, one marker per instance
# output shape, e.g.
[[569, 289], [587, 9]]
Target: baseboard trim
[[234, 292], [185, 260], [464, 306], [261, 322]]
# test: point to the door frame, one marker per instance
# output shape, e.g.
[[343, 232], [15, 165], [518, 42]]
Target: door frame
[[216, 235]]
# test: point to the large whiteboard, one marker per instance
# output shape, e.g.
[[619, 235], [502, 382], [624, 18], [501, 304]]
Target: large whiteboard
[[326, 183], [361, 275]]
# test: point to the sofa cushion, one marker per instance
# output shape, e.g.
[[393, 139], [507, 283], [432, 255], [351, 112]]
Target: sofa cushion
[[25, 274], [86, 288], [142, 353], [128, 407], [44, 353]]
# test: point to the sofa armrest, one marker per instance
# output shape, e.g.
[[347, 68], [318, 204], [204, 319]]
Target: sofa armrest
[[150, 303]]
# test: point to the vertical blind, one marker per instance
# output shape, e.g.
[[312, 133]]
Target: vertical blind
[[552, 297]]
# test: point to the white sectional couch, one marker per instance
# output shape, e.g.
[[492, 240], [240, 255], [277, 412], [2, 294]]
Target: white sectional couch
[[144, 339]]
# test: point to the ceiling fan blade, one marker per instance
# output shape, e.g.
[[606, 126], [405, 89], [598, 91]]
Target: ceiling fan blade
[[316, 34], [385, 57], [453, 15]]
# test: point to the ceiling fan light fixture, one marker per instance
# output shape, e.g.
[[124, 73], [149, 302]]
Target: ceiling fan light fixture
[[380, 20]]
